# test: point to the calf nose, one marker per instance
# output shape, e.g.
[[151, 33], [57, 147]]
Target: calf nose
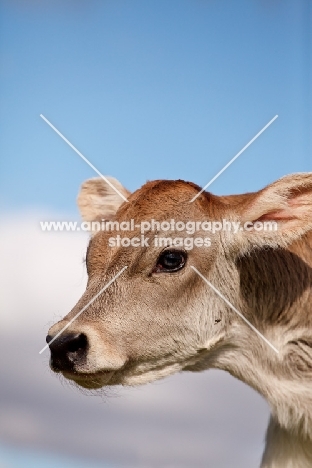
[[67, 350]]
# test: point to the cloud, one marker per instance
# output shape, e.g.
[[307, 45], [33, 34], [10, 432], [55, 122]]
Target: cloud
[[42, 273], [198, 420]]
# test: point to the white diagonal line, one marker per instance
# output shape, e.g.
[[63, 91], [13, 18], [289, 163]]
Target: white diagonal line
[[235, 310], [84, 308], [83, 157], [233, 159]]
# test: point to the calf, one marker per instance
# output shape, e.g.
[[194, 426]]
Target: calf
[[236, 298]]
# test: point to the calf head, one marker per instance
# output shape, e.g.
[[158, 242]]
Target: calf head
[[159, 316]]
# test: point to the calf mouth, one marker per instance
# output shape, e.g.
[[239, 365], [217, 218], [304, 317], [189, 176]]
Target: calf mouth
[[89, 380]]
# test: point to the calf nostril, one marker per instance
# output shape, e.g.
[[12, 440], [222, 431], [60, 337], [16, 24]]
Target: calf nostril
[[78, 343], [67, 350]]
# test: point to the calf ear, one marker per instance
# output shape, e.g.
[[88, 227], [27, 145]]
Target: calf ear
[[287, 204], [98, 199]]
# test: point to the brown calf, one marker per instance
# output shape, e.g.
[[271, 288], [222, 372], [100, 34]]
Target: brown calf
[[160, 317]]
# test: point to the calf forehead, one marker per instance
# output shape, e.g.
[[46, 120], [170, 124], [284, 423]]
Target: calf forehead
[[160, 198], [156, 200]]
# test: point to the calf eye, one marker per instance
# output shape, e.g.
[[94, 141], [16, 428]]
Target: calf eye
[[170, 260]]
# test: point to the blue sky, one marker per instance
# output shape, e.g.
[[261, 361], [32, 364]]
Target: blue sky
[[146, 90]]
